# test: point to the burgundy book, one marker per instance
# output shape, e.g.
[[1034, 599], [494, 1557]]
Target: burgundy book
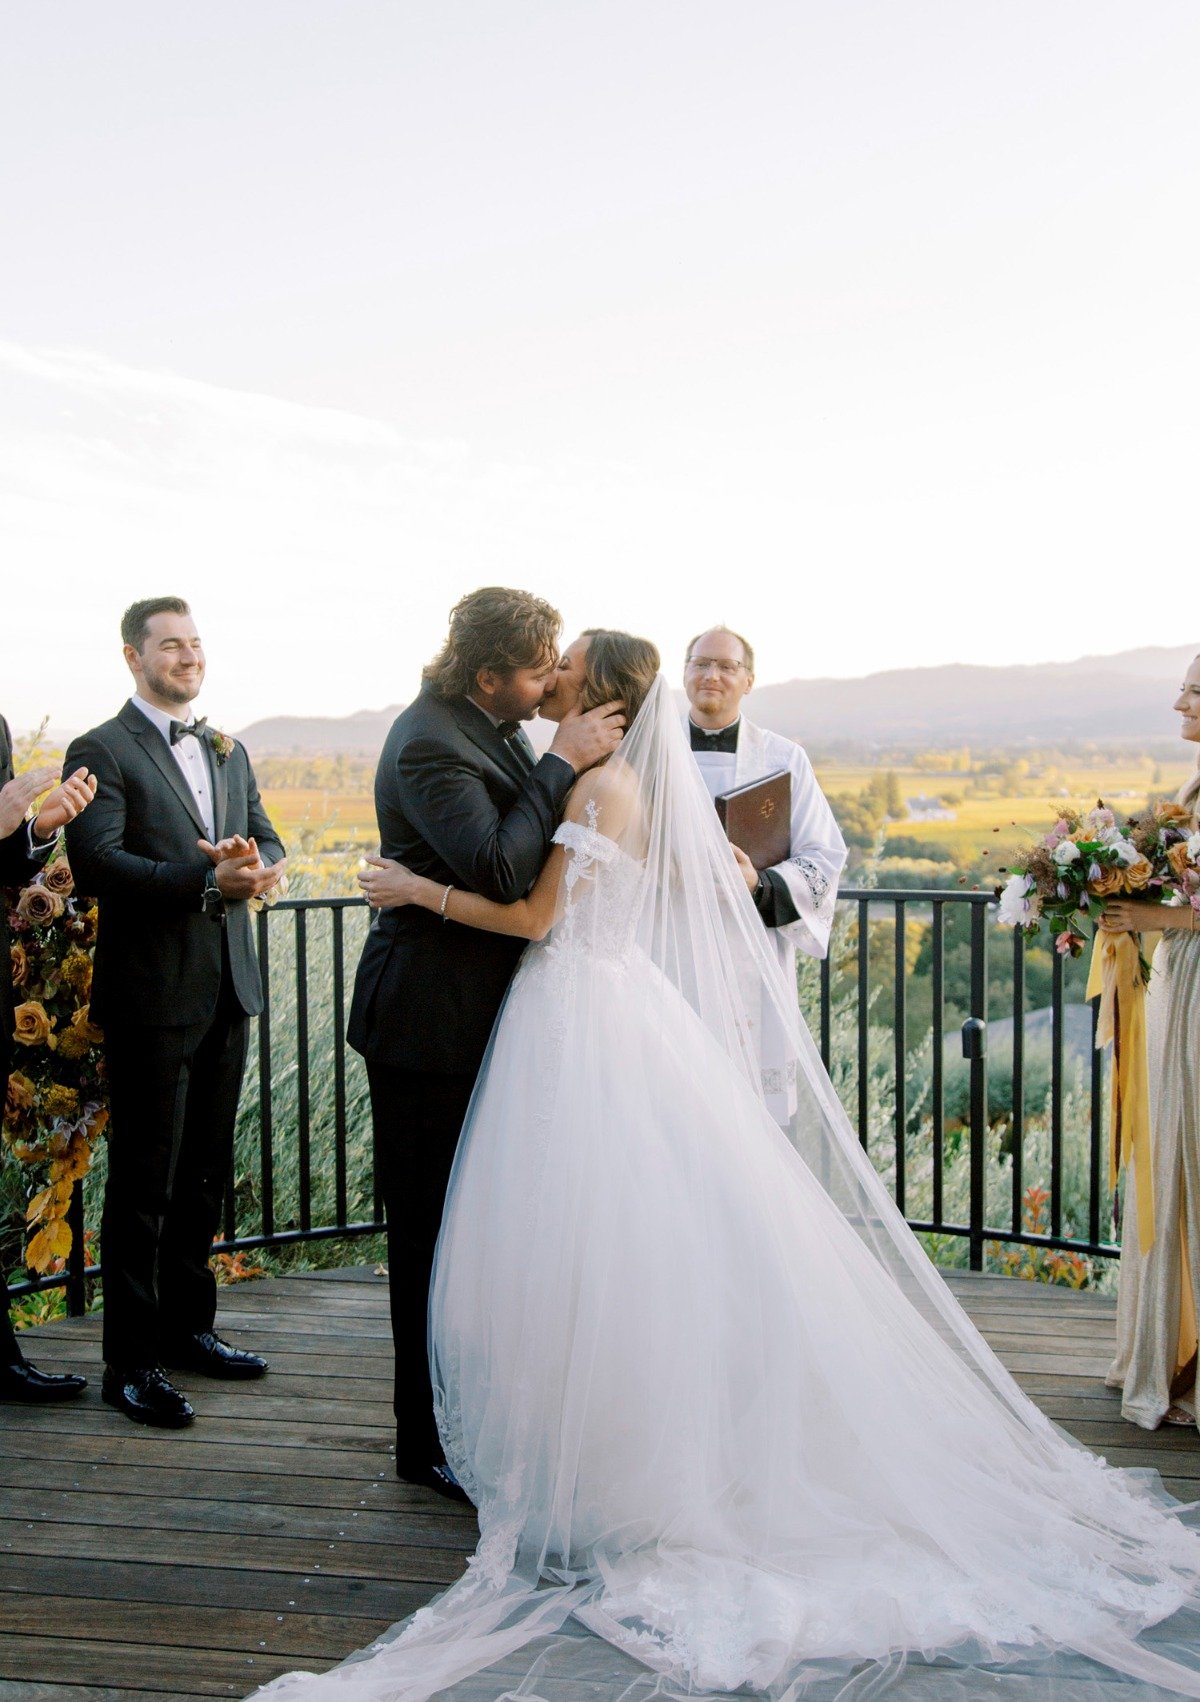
[[758, 817]]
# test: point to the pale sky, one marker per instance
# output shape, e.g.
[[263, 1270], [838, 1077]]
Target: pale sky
[[869, 328]]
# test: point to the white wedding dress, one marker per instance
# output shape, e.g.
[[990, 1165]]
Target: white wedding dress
[[710, 1397]]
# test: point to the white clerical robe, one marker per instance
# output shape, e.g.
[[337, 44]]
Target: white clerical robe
[[810, 873]]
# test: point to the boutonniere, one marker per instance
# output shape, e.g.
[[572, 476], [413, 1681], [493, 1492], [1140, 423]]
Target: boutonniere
[[222, 746]]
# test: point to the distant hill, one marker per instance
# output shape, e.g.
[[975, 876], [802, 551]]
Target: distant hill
[[1127, 696], [360, 734], [1108, 698]]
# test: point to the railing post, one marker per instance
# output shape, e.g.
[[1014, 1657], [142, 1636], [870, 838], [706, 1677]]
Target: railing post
[[975, 1048], [900, 1057]]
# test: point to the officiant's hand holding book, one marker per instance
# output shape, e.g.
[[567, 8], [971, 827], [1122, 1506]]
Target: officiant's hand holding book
[[757, 818]]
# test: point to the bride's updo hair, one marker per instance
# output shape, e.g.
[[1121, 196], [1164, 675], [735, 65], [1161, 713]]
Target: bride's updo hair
[[617, 665]]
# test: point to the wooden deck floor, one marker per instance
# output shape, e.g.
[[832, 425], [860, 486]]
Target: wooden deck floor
[[137, 1565]]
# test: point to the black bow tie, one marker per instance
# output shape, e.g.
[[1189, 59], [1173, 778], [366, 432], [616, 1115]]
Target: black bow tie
[[188, 729], [724, 741], [508, 729]]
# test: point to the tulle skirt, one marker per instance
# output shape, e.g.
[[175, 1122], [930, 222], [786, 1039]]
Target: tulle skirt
[[696, 1413]]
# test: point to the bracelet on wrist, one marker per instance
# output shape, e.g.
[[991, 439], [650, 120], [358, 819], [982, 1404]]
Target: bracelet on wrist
[[445, 901]]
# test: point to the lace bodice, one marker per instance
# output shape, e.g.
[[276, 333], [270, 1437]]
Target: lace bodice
[[602, 884]]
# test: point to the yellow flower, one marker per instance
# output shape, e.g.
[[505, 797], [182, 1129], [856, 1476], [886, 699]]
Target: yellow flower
[[31, 1025], [60, 1101], [76, 971], [20, 963]]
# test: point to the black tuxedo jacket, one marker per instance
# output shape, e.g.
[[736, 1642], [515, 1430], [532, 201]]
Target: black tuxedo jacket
[[456, 802], [17, 865], [158, 956]]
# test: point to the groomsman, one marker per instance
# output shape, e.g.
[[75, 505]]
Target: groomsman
[[25, 844], [795, 899], [176, 845]]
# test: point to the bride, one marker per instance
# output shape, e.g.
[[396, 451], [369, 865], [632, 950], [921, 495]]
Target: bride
[[709, 1395]]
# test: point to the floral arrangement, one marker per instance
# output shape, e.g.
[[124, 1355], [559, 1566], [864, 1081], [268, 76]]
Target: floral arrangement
[[56, 1103], [222, 746], [1062, 883]]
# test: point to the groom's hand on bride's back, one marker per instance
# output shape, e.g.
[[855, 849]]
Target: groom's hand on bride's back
[[584, 739]]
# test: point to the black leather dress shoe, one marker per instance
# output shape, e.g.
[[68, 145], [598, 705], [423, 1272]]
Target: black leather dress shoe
[[144, 1395], [438, 1477], [24, 1382], [211, 1357]]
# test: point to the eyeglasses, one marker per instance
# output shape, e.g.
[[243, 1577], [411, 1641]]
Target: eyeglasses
[[727, 670]]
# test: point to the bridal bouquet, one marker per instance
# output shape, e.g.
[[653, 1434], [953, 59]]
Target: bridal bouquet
[[1062, 883], [56, 1101]]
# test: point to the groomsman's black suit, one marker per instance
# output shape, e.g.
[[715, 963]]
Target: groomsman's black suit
[[173, 986], [19, 861], [465, 805]]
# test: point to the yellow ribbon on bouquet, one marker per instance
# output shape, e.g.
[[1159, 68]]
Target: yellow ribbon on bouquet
[[1116, 975]]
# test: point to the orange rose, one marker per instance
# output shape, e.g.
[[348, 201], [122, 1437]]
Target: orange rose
[[1108, 883], [1173, 815], [1137, 875], [1178, 859], [82, 1024], [20, 964], [39, 907], [58, 878], [31, 1025], [18, 1100]]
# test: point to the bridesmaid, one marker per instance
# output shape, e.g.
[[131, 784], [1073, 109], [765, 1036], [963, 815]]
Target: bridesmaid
[[1159, 1296]]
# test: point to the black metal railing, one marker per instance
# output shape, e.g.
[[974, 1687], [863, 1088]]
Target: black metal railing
[[961, 1175]]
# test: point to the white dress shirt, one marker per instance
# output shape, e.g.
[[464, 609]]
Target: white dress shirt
[[191, 760]]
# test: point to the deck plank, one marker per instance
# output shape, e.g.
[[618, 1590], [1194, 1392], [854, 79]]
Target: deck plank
[[137, 1565]]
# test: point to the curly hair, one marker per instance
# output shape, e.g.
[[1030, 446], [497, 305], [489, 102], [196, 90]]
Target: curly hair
[[618, 667], [493, 628]]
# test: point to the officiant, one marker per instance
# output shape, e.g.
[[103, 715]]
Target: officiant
[[796, 898]]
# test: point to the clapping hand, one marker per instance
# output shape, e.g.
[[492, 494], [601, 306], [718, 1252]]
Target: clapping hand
[[63, 804], [386, 884], [241, 872], [16, 797]]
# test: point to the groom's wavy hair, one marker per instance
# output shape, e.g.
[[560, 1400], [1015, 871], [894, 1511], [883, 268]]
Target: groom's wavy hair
[[135, 622], [493, 628], [618, 667]]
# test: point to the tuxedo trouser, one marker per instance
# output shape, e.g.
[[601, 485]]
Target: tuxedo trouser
[[418, 1117], [174, 1096]]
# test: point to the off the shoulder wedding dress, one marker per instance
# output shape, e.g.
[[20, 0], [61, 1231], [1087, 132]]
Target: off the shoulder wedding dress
[[717, 1409]]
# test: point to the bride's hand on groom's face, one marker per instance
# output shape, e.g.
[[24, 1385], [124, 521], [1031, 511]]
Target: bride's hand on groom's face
[[584, 739], [386, 883]]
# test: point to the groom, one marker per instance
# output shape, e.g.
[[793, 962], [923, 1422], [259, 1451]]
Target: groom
[[461, 798]]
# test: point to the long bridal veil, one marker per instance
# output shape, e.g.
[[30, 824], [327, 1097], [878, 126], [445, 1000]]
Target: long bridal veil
[[716, 1407]]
